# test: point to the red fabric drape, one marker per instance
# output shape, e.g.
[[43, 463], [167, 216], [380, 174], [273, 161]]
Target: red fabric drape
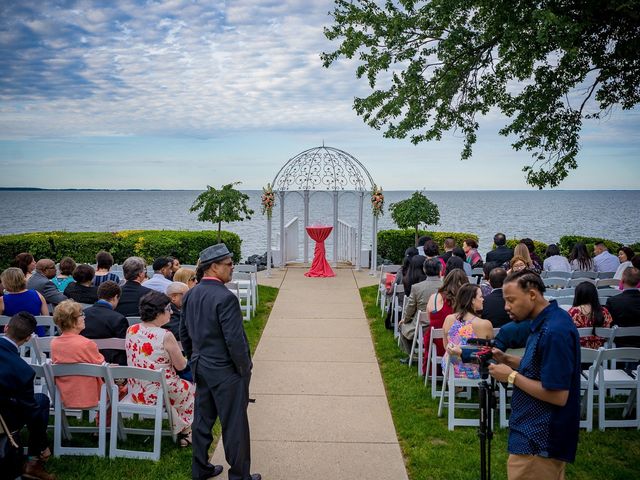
[[320, 267]]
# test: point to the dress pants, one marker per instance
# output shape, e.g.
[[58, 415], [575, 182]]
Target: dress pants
[[36, 421], [229, 401]]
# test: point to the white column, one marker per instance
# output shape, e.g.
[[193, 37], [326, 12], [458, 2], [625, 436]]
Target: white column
[[268, 246], [374, 246], [335, 227], [306, 224], [282, 243], [359, 242]]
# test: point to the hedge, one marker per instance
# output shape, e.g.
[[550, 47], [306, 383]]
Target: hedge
[[83, 246], [393, 243], [567, 242]]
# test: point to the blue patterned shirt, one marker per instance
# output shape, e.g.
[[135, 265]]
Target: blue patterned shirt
[[552, 356]]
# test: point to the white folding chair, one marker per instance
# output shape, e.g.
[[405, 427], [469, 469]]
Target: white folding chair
[[477, 274], [83, 370], [580, 274], [253, 271], [422, 320], [555, 282], [396, 309], [449, 386], [47, 322], [621, 332], [613, 378], [381, 296], [605, 293], [606, 275], [161, 408], [133, 321], [433, 360], [564, 301], [505, 392], [555, 274], [605, 333], [603, 283], [243, 281], [588, 386], [574, 282]]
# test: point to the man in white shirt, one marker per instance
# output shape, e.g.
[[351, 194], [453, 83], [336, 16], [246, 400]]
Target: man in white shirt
[[603, 261], [161, 275]]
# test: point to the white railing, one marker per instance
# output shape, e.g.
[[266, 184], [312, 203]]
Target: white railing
[[346, 240]]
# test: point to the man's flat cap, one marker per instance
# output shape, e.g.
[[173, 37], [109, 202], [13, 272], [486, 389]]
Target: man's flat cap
[[214, 253]]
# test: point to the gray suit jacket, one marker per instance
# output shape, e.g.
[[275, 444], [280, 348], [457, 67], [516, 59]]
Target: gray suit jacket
[[212, 333], [46, 287], [419, 296]]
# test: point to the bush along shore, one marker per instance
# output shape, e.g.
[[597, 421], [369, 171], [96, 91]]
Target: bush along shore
[[83, 246]]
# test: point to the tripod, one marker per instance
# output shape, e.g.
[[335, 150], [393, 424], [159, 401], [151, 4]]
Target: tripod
[[485, 429]]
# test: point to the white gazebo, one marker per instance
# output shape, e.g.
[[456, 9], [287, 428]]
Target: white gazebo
[[333, 171]]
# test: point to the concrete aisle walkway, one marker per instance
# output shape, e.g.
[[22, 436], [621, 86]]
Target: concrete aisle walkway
[[321, 411]]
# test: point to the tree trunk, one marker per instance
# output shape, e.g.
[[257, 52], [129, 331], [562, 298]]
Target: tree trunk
[[417, 235], [219, 232]]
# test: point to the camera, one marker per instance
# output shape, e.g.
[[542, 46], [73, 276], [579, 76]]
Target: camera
[[478, 350]]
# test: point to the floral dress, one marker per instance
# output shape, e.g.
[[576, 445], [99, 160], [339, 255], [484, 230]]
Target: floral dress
[[581, 321], [458, 334], [145, 349]]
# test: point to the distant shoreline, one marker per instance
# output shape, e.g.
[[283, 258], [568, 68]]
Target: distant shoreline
[[37, 189]]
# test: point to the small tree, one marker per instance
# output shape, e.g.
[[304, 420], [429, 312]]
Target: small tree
[[224, 205], [413, 211]]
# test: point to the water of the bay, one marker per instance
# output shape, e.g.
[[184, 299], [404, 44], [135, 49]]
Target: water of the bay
[[541, 215]]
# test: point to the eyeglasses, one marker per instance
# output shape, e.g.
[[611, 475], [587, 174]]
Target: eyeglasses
[[82, 315], [168, 308], [192, 279]]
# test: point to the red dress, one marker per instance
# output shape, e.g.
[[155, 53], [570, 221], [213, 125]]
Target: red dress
[[581, 321], [436, 320]]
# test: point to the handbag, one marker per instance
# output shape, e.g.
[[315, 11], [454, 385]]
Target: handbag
[[11, 456]]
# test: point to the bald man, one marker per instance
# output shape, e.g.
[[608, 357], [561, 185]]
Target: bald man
[[175, 291], [41, 282]]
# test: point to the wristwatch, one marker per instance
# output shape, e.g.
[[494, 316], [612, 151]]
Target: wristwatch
[[512, 377]]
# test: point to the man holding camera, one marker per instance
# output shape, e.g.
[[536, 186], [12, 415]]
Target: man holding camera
[[545, 407]]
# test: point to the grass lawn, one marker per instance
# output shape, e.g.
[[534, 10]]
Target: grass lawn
[[431, 451], [175, 462]]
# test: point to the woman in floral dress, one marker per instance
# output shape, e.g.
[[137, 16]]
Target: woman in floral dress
[[150, 346], [462, 325], [587, 312]]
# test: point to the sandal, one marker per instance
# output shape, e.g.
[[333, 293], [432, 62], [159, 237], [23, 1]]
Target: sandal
[[184, 439]]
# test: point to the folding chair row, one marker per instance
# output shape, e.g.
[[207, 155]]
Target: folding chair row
[[381, 296]]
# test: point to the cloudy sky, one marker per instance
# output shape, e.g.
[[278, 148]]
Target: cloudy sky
[[180, 94]]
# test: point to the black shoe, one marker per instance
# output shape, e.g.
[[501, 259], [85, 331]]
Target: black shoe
[[213, 471], [256, 476], [404, 361]]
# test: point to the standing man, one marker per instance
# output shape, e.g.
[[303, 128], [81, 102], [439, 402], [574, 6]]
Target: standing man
[[545, 407], [213, 338]]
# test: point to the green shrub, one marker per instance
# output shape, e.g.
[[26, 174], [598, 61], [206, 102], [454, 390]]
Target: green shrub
[[568, 241], [540, 247], [393, 243], [83, 246]]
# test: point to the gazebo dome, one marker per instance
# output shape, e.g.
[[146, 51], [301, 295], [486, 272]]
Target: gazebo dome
[[325, 169]]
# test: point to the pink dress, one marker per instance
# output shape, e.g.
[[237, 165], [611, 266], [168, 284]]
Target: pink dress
[[145, 349]]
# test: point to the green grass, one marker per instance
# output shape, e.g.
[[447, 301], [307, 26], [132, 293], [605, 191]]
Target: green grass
[[175, 462], [431, 451]]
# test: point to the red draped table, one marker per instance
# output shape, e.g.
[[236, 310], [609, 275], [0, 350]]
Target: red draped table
[[319, 267]]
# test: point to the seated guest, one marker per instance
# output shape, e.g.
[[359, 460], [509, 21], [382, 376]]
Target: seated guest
[[517, 263], [41, 282], [521, 251], [587, 312], [554, 262], [175, 292], [473, 258], [440, 305], [625, 308], [463, 325], [175, 266], [102, 321], [104, 262], [501, 254], [408, 253], [71, 347], [603, 261], [459, 252], [413, 274], [493, 308], [64, 278], [513, 335], [82, 290], [26, 263], [579, 258], [17, 298], [421, 241], [485, 285], [417, 300], [625, 254], [186, 276], [455, 263], [149, 345], [161, 275], [535, 259], [19, 405], [449, 245], [135, 271]]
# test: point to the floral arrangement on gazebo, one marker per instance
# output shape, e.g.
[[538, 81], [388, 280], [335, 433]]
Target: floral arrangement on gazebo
[[268, 200], [377, 201]]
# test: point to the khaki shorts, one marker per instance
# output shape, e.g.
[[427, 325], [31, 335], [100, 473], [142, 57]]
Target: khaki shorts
[[532, 467]]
